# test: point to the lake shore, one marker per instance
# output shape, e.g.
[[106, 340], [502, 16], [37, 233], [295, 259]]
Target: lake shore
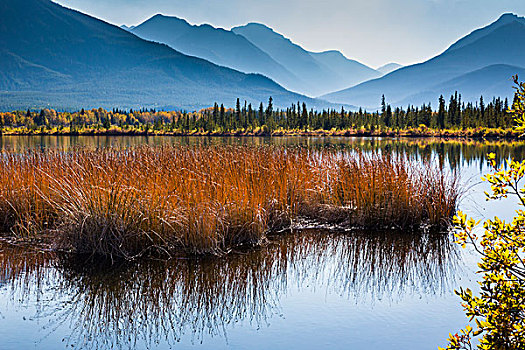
[[421, 132]]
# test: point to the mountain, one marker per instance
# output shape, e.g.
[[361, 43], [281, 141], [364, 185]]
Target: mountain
[[239, 49], [388, 68], [506, 18], [500, 43], [315, 69], [64, 59], [350, 72], [491, 81], [216, 45]]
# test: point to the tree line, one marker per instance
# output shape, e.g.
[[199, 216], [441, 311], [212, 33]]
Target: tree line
[[451, 114]]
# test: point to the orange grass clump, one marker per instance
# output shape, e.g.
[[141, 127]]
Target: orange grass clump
[[128, 202]]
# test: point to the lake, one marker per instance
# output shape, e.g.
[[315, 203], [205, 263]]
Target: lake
[[308, 289]]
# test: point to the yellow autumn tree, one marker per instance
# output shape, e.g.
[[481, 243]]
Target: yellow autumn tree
[[497, 313]]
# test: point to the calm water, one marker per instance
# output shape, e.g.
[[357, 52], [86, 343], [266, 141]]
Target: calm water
[[305, 290]]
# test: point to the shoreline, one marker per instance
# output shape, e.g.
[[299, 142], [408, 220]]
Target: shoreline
[[479, 133]]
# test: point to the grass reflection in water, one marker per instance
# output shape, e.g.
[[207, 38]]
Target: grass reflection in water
[[149, 302]]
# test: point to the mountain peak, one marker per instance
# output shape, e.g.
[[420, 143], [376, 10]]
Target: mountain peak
[[504, 20], [255, 32], [508, 16], [160, 17], [169, 25], [259, 25], [331, 53]]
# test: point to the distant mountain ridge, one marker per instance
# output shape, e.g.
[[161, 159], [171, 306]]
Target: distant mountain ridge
[[216, 45], [491, 81], [348, 72], [389, 68], [294, 68], [64, 59], [317, 69], [488, 50]]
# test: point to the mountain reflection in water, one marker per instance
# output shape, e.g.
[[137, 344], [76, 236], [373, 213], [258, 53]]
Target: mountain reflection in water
[[116, 305]]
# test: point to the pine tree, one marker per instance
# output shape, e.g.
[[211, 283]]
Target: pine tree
[[482, 111], [441, 115], [41, 118], [269, 109], [222, 118], [304, 117], [238, 113], [250, 116], [215, 114]]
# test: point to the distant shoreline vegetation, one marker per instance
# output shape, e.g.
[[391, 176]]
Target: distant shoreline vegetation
[[453, 119]]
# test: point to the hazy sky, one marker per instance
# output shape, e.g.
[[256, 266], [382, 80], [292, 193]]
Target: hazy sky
[[374, 32]]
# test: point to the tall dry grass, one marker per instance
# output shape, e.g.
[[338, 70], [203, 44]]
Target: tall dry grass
[[129, 202]]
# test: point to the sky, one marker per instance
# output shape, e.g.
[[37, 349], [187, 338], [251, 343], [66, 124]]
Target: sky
[[374, 32]]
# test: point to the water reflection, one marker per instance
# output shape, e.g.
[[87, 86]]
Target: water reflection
[[456, 153], [156, 302]]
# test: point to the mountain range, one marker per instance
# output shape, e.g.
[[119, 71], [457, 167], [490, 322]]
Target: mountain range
[[51, 56], [256, 48], [323, 71], [481, 63]]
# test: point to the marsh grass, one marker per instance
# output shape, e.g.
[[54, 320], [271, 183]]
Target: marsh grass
[[208, 200]]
